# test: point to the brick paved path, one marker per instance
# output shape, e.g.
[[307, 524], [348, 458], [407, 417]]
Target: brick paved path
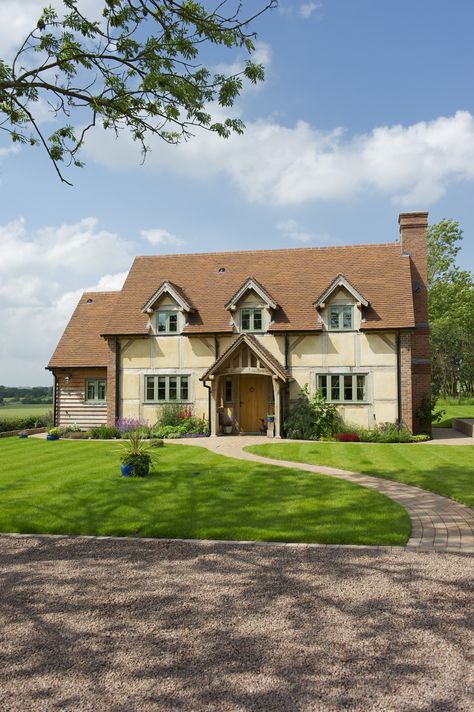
[[438, 523]]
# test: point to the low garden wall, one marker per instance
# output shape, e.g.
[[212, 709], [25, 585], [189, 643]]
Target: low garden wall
[[28, 431]]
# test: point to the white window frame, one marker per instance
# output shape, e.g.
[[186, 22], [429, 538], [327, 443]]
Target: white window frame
[[167, 377], [95, 382], [340, 308], [251, 311], [168, 313], [341, 376]]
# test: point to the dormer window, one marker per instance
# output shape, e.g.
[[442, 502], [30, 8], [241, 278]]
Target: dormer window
[[251, 319], [166, 322], [340, 317]]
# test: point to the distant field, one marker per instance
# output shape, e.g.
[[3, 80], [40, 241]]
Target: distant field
[[454, 410], [23, 411]]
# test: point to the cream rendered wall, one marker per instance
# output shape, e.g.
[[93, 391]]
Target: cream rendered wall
[[325, 352]]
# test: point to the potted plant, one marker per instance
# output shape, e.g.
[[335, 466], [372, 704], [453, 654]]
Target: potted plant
[[227, 425], [135, 461], [53, 434], [270, 418], [22, 435]]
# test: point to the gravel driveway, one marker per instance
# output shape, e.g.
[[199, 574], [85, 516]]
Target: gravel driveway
[[140, 625]]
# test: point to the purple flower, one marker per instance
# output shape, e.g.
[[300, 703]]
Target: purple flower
[[125, 425]]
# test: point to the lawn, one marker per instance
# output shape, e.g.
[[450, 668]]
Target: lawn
[[75, 488], [23, 411], [454, 410], [444, 469]]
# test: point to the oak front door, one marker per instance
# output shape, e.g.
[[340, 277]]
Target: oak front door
[[252, 403]]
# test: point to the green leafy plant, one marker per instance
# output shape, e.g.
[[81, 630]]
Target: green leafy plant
[[311, 418], [104, 432], [139, 67], [137, 452], [428, 412]]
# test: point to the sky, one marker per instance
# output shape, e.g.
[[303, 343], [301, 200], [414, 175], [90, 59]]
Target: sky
[[367, 111]]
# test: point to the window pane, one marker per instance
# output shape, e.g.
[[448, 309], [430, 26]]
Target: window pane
[[335, 388], [323, 385], [91, 390], [334, 318], [184, 388], [228, 391], [245, 319], [172, 389], [101, 389], [257, 319], [150, 388], [162, 321], [173, 322], [347, 318], [161, 387], [347, 388], [361, 388]]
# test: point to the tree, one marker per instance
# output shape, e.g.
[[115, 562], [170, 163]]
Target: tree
[[137, 68], [451, 310]]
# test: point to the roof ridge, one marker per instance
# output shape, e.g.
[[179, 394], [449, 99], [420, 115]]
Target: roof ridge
[[278, 249], [103, 291]]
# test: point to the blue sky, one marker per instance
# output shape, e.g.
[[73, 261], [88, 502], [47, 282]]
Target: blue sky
[[367, 111]]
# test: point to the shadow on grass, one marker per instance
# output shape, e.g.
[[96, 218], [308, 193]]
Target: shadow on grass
[[191, 493], [444, 469], [154, 625]]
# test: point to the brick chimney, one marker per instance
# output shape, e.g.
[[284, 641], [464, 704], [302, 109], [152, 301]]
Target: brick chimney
[[415, 350]]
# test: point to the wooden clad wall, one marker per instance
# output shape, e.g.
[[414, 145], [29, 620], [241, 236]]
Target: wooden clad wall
[[72, 407]]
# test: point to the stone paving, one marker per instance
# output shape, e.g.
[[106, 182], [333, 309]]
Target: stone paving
[[438, 523]]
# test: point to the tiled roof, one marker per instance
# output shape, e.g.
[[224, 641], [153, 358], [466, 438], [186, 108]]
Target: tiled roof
[[81, 343], [295, 278]]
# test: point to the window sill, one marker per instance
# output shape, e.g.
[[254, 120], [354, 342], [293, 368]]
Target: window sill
[[94, 402]]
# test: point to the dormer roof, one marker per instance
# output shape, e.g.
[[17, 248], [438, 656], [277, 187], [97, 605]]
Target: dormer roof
[[341, 281], [174, 291], [251, 284]]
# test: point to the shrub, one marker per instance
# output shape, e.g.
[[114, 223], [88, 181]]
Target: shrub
[[31, 421], [298, 424], [427, 413], [156, 443], [105, 432], [311, 418], [187, 426], [170, 415]]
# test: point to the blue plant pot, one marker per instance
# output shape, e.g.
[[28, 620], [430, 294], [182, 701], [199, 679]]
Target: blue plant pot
[[52, 437], [126, 470], [22, 436]]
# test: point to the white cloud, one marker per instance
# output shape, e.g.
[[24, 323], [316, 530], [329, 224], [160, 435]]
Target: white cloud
[[307, 8], [261, 55], [271, 163], [291, 230], [158, 236], [42, 275], [19, 17]]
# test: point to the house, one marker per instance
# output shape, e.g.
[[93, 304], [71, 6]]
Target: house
[[236, 335]]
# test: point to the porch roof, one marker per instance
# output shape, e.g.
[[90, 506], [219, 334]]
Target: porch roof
[[258, 349]]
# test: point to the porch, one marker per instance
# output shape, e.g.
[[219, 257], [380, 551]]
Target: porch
[[246, 390]]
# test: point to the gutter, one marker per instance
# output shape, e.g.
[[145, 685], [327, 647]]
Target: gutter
[[55, 398], [208, 408], [117, 378], [399, 380]]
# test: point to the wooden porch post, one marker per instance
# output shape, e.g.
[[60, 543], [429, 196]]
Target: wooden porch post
[[213, 414], [276, 394]]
